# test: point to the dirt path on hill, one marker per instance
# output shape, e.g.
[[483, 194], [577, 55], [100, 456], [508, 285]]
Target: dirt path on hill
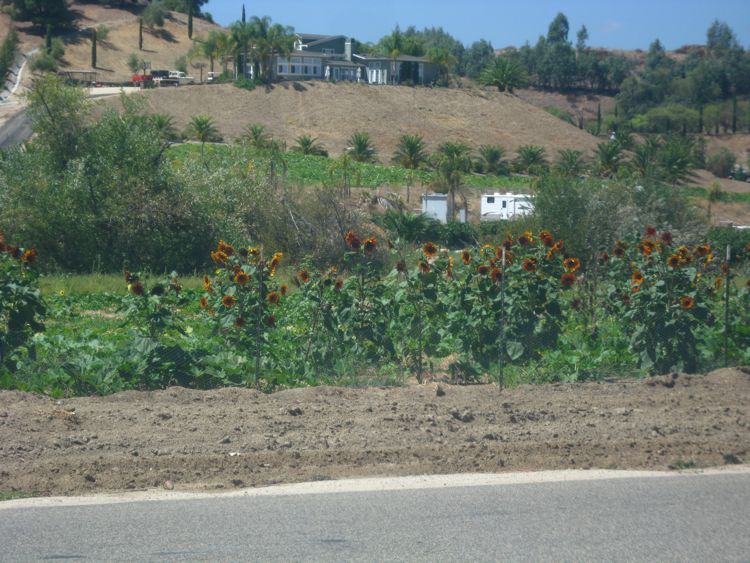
[[202, 440]]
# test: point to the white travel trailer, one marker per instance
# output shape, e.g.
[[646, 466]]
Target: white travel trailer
[[497, 206]]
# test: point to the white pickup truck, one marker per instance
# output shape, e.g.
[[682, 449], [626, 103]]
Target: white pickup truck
[[171, 78]]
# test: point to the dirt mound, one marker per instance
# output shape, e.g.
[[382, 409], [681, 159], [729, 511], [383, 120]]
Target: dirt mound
[[239, 437]]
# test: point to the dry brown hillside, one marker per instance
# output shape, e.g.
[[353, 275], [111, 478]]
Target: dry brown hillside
[[332, 112]]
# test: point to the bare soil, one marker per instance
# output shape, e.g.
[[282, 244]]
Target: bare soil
[[206, 440]]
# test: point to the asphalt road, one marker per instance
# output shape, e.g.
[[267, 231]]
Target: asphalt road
[[15, 130], [672, 518]]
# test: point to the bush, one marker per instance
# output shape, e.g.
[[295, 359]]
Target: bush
[[245, 83], [43, 62], [722, 163]]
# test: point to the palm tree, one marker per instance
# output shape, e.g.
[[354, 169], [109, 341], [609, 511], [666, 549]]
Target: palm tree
[[444, 60], [643, 163], [224, 48], [202, 129], [570, 163], [531, 159], [277, 40], [308, 145], [241, 34], [675, 160], [164, 125], [207, 47], [608, 158], [255, 135], [451, 162], [361, 148], [410, 152], [491, 160], [504, 73]]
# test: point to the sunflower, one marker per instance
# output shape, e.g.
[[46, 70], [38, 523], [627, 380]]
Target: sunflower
[[626, 299], [136, 288], [270, 320], [207, 284], [687, 302], [273, 298], [525, 239], [228, 301], [241, 277], [370, 244], [674, 261], [568, 279], [466, 257], [718, 282], [547, 239], [239, 322], [352, 241], [725, 268], [219, 257], [637, 277], [304, 276], [619, 249], [283, 288], [227, 249], [424, 267], [576, 304], [604, 257], [702, 250], [647, 247], [130, 278], [496, 274], [401, 267], [572, 264], [29, 256], [529, 264], [429, 249], [483, 269], [204, 303], [338, 284], [666, 238], [449, 268], [650, 232]]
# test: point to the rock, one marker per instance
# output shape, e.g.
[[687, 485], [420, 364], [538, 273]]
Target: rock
[[225, 440], [731, 459], [295, 411], [90, 478], [465, 416], [238, 482], [439, 391], [169, 485]]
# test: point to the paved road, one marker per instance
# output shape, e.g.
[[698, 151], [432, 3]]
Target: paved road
[[672, 518], [15, 130]]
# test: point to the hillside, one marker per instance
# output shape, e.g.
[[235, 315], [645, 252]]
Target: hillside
[[332, 112]]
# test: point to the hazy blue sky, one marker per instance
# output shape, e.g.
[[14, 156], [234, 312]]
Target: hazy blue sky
[[621, 24]]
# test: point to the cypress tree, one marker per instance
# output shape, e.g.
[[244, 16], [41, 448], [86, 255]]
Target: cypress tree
[[190, 20], [140, 34], [598, 118], [48, 40], [243, 13], [734, 113], [93, 48]]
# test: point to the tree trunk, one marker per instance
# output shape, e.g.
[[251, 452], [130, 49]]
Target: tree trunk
[[93, 49], [140, 34]]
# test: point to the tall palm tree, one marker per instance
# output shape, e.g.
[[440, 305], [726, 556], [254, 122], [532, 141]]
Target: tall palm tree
[[411, 152], [643, 164], [207, 47], [608, 158], [492, 161], [242, 36], [675, 160], [203, 129], [361, 148], [224, 49], [504, 73], [451, 162], [165, 127]]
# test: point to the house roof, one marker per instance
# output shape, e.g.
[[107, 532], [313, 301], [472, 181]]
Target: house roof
[[311, 39], [400, 58]]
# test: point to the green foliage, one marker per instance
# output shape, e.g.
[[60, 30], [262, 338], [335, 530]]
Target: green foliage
[[21, 307], [571, 163], [180, 63], [43, 13], [153, 15], [492, 161], [721, 163], [411, 152], [530, 159], [504, 73], [560, 114], [308, 145], [8, 53]]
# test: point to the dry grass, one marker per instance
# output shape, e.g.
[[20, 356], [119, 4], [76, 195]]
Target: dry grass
[[332, 112]]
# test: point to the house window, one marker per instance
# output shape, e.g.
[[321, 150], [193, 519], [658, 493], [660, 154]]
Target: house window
[[296, 59], [315, 71], [281, 69], [307, 69], [505, 204], [294, 69], [328, 51], [490, 200]]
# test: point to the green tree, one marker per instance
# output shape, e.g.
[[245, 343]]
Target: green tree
[[360, 147], [208, 47], [153, 16], [571, 163], [608, 159], [164, 127], [530, 159], [477, 57], [203, 130], [53, 13], [411, 152], [504, 73], [451, 162], [93, 48]]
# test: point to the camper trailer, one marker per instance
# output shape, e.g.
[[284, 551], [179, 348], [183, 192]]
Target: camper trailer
[[497, 206]]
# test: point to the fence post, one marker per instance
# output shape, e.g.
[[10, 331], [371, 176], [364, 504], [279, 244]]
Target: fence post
[[726, 307], [259, 317], [501, 374]]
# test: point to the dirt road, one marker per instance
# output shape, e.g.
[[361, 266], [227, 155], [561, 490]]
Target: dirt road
[[199, 440]]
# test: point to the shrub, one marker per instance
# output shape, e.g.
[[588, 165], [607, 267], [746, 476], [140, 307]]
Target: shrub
[[721, 163]]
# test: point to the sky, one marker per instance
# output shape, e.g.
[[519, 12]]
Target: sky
[[621, 24]]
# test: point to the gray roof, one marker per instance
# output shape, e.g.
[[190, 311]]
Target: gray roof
[[400, 58]]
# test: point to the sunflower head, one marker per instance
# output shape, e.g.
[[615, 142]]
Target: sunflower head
[[687, 302], [637, 277], [219, 257], [352, 241], [401, 266], [429, 249], [241, 277], [650, 232], [571, 264], [204, 302], [303, 276], [270, 321], [702, 250], [137, 288], [568, 279], [547, 239], [466, 257], [529, 264], [483, 269], [424, 267], [226, 248], [228, 301], [674, 261], [370, 244], [666, 238], [338, 284], [273, 298], [283, 288], [496, 274], [239, 322]]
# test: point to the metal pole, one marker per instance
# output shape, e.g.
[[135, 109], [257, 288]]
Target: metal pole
[[726, 308], [502, 322]]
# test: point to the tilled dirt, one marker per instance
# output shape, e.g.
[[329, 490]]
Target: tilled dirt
[[203, 440]]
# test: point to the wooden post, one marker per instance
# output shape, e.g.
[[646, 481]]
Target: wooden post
[[727, 279], [501, 374]]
